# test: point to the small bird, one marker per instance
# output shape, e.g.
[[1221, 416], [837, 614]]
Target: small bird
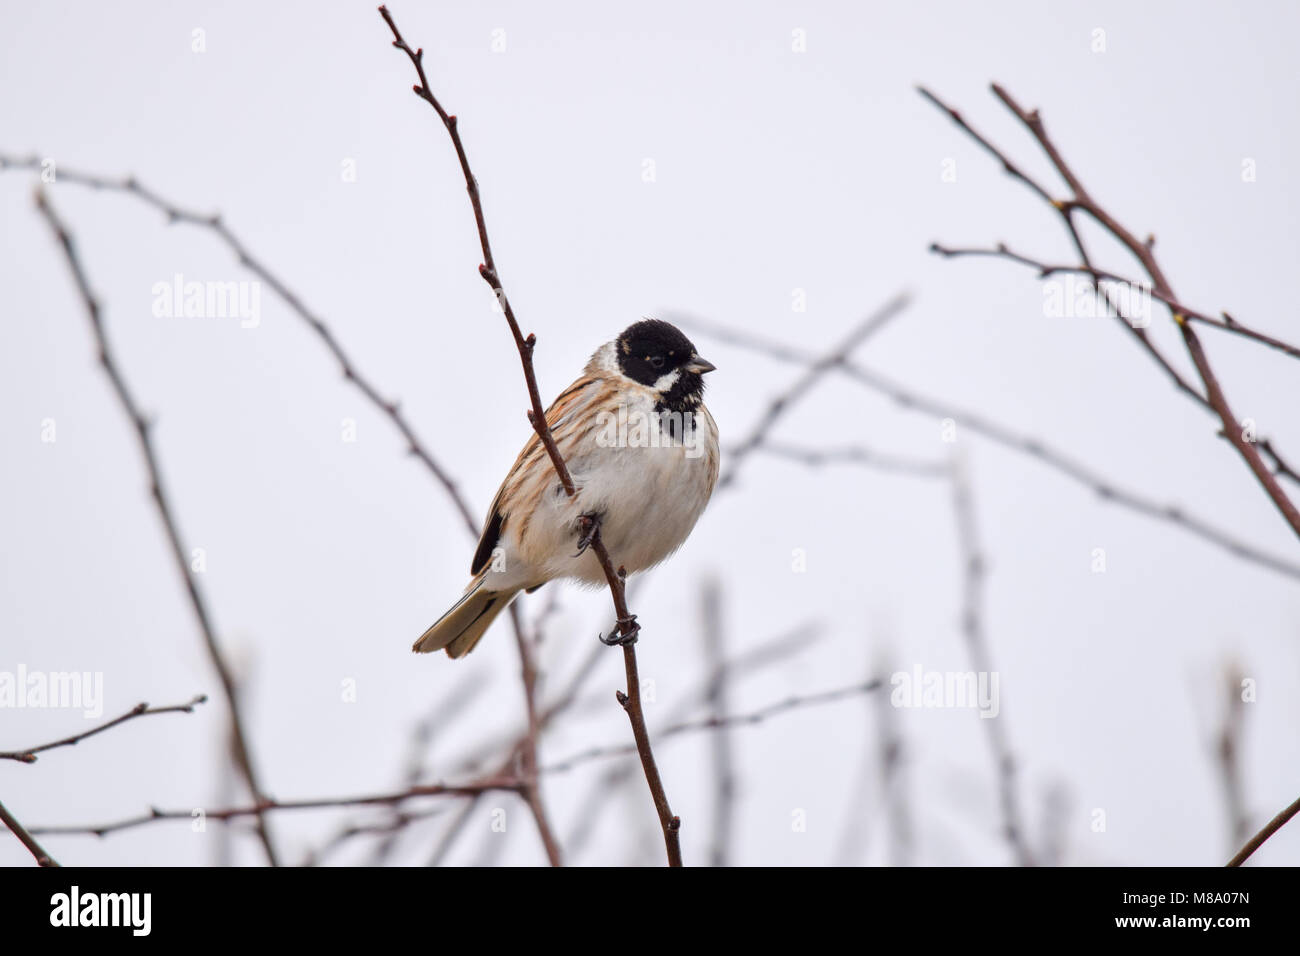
[[643, 453]]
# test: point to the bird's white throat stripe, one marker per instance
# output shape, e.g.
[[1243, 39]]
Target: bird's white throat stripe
[[666, 382], [605, 361]]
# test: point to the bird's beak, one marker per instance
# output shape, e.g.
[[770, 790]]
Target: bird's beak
[[699, 365]]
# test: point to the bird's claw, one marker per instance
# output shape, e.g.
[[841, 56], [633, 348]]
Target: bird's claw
[[591, 526], [624, 634]]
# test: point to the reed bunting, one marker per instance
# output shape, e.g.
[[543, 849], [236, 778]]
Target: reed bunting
[[643, 452]]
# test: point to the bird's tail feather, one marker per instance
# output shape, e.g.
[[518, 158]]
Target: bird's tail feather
[[464, 624]]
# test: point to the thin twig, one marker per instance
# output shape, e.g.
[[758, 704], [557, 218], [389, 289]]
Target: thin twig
[[443, 715], [139, 710], [454, 830], [389, 828], [537, 417], [816, 371], [882, 765], [631, 702], [1066, 212], [1227, 752], [973, 576], [1004, 435], [27, 840], [1054, 828], [858, 455], [390, 408], [893, 782], [1144, 252], [505, 781], [724, 763], [528, 746], [552, 711], [771, 651], [1045, 269], [484, 785], [1258, 840], [720, 723], [142, 426]]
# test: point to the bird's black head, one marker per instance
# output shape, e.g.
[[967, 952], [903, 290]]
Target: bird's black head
[[652, 349]]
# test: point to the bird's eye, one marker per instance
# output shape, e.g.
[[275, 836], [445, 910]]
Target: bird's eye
[[656, 361]]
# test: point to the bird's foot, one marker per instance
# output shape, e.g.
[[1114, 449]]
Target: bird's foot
[[590, 525], [624, 634]]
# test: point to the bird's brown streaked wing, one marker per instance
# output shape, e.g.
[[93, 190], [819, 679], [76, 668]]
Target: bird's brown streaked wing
[[570, 399]]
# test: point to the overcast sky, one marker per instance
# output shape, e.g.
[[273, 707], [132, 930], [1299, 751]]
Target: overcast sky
[[731, 161]]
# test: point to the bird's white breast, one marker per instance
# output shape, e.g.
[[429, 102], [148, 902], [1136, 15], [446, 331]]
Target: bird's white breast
[[650, 488]]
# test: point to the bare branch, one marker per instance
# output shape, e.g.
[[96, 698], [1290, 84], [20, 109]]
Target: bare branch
[[1258, 840], [390, 408], [893, 783], [1004, 435], [1143, 251], [141, 424], [719, 723], [973, 565], [389, 828], [528, 746], [1222, 321], [883, 764], [769, 652], [1054, 828], [454, 830], [858, 455], [816, 370], [227, 814], [724, 762], [139, 710], [1227, 752], [1066, 211], [27, 840], [627, 626], [502, 781]]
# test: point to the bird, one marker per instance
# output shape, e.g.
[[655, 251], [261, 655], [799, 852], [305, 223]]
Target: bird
[[642, 450]]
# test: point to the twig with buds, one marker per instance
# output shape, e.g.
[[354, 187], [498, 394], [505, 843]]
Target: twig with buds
[[1081, 200], [816, 371], [142, 426], [139, 710], [1045, 270], [390, 408], [627, 626], [1036, 448], [721, 722], [974, 572], [258, 809], [772, 651], [27, 840], [724, 761]]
